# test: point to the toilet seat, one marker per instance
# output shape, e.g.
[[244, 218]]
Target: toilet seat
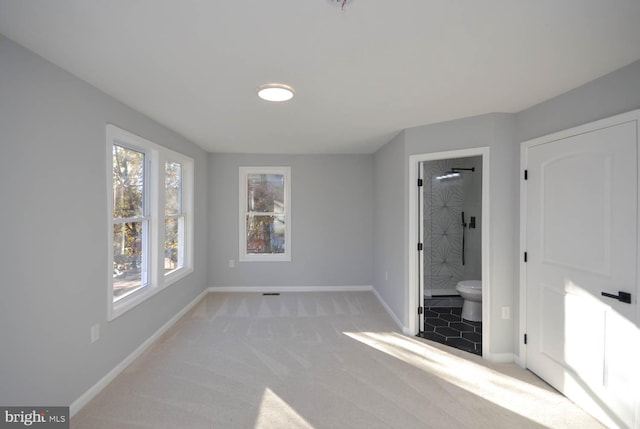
[[470, 286]]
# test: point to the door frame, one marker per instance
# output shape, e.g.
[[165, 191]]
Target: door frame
[[414, 285], [521, 359]]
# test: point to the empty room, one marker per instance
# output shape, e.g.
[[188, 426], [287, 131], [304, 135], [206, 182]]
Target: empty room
[[320, 214]]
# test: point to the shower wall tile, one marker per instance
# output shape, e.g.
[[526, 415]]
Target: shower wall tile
[[443, 203]]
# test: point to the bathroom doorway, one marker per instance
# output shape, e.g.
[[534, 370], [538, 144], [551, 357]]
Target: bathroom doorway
[[450, 224], [450, 205]]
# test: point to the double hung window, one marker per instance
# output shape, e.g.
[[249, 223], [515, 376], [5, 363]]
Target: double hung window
[[265, 214], [150, 210]]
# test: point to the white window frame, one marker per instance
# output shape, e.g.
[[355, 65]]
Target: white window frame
[[244, 171], [155, 158]]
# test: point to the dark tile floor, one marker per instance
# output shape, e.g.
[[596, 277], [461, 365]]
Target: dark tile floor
[[445, 325]]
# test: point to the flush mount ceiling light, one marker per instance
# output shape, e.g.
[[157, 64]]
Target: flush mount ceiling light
[[275, 92]]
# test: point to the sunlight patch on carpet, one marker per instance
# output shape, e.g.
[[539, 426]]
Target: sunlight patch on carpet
[[510, 393], [276, 413]]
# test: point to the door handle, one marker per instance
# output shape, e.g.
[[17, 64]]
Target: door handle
[[621, 296]]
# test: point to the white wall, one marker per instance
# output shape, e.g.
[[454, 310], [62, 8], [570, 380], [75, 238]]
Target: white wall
[[53, 232], [331, 214]]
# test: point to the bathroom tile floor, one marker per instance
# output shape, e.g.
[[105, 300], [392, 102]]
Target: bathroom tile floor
[[445, 325]]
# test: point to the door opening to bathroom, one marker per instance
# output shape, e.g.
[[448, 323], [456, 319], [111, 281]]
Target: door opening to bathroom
[[450, 250], [450, 223]]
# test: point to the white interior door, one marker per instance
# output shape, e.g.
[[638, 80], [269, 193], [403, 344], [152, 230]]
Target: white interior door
[[581, 233]]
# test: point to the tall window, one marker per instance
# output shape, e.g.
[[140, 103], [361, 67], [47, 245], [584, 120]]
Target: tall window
[[150, 206], [265, 214], [130, 222]]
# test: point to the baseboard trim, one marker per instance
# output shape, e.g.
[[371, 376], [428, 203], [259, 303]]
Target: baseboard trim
[[393, 316], [266, 289], [500, 357], [111, 375]]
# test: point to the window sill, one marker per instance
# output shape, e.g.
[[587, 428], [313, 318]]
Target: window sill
[[117, 309], [265, 258]]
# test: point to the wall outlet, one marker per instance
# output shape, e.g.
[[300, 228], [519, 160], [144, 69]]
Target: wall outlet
[[506, 313], [95, 333], [232, 263]]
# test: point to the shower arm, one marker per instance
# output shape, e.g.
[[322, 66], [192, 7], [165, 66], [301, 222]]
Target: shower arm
[[456, 169]]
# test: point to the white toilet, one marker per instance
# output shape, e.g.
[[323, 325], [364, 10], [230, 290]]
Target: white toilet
[[471, 292]]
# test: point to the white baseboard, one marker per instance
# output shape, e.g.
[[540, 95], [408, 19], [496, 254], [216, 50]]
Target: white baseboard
[[111, 375], [267, 289], [393, 316], [499, 357]]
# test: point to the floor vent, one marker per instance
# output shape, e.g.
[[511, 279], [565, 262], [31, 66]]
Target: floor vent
[[271, 294]]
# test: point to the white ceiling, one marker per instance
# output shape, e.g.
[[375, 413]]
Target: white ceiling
[[361, 75]]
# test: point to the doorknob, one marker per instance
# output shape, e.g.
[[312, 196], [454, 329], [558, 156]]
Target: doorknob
[[621, 296]]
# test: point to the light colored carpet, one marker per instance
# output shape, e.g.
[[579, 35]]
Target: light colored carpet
[[317, 360]]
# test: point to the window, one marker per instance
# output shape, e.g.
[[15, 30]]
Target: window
[[150, 211], [265, 214], [173, 217], [130, 222]]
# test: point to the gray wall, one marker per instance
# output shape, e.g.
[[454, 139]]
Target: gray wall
[[497, 132], [390, 228], [612, 94], [391, 198], [331, 214], [53, 254]]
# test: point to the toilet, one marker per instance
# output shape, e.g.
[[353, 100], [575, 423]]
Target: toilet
[[471, 292]]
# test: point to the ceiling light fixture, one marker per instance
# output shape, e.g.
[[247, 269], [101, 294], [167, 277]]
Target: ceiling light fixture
[[275, 92]]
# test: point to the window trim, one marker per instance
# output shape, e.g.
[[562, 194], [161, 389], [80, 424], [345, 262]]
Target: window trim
[[243, 172], [155, 158]]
